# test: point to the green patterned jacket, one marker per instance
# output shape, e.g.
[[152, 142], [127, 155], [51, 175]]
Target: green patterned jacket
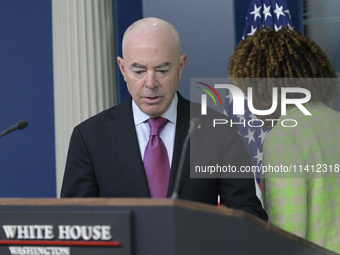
[[306, 200]]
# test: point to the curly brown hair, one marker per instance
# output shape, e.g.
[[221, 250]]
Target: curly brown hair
[[283, 54]]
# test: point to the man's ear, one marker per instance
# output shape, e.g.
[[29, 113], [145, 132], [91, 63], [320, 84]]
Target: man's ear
[[182, 61], [120, 62]]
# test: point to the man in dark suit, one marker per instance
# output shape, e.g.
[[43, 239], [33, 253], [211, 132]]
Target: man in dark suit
[[106, 152]]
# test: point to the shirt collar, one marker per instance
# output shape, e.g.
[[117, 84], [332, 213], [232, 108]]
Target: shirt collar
[[171, 114]]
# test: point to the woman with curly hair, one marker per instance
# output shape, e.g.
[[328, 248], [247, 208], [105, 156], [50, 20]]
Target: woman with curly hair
[[307, 202]]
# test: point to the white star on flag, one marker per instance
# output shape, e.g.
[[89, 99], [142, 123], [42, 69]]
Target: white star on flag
[[229, 97], [259, 156], [250, 136], [256, 12], [266, 11], [241, 118], [262, 136], [288, 12], [253, 30], [252, 116], [279, 11], [277, 28]]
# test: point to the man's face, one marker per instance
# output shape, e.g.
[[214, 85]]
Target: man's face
[[152, 69]]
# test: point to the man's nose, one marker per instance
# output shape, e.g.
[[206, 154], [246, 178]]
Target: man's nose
[[150, 80]]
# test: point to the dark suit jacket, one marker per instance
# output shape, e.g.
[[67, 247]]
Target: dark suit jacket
[[104, 160]]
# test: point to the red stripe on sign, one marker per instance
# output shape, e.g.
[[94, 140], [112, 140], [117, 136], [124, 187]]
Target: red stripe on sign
[[60, 243]]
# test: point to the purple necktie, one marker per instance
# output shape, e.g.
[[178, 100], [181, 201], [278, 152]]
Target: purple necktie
[[156, 161]]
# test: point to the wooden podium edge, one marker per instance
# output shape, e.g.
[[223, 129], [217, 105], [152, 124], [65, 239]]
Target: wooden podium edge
[[222, 210]]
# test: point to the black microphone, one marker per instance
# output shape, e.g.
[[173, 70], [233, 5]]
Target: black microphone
[[20, 125], [194, 122]]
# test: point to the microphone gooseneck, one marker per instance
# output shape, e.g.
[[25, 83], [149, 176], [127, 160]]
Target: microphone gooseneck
[[194, 122]]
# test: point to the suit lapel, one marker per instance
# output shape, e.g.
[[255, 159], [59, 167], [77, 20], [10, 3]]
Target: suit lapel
[[122, 133]]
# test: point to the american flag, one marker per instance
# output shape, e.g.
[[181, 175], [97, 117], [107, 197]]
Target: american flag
[[253, 137], [274, 14]]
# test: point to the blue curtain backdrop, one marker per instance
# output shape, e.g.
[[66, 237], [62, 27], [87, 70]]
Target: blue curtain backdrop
[[27, 157]]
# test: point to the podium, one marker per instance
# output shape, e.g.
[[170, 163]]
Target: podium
[[81, 226]]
